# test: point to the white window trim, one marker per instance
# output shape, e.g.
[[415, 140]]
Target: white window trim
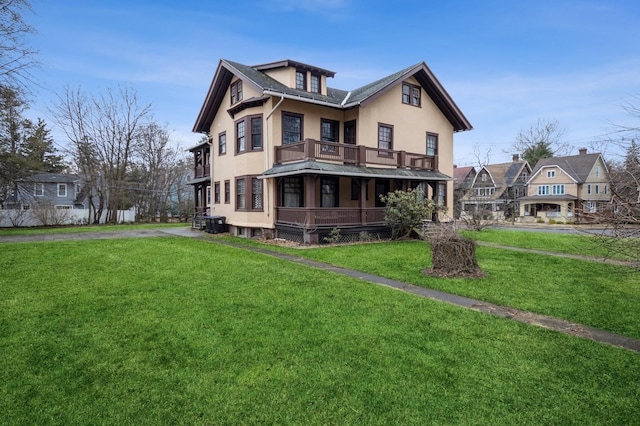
[[35, 189], [58, 187]]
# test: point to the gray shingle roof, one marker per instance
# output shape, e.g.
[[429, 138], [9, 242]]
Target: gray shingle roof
[[336, 98], [317, 167], [577, 166]]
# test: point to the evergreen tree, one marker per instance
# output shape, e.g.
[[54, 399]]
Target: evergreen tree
[[39, 150], [535, 152]]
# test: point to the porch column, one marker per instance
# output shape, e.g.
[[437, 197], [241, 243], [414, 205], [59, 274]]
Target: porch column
[[434, 198], [310, 198], [309, 236], [362, 201]]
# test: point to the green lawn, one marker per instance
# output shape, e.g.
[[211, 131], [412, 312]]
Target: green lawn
[[179, 331], [581, 244], [591, 293], [85, 228]]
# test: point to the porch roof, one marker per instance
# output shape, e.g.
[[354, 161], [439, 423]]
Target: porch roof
[[199, 180], [350, 170], [547, 198]]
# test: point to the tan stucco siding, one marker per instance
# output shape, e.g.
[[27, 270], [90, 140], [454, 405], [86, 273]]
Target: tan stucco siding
[[231, 165], [286, 76], [599, 180]]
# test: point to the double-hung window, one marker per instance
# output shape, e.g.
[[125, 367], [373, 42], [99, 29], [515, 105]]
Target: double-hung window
[[236, 92], [385, 137], [291, 128], [249, 193], [432, 144], [249, 134], [410, 94], [227, 192], [216, 194], [62, 190], [256, 133], [222, 143], [315, 83], [38, 189], [240, 194], [241, 139], [301, 80]]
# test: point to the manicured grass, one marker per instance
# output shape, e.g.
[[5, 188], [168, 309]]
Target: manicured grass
[[591, 293], [179, 331], [86, 228], [581, 244]]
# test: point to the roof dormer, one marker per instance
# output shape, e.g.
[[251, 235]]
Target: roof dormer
[[297, 75]]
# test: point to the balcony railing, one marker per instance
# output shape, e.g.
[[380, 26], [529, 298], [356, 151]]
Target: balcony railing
[[322, 216], [311, 149], [201, 171]]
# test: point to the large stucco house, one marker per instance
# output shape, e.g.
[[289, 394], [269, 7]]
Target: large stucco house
[[294, 158], [574, 188]]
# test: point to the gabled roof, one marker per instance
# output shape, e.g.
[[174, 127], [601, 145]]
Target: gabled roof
[[505, 174], [577, 167], [335, 98], [461, 173], [43, 177]]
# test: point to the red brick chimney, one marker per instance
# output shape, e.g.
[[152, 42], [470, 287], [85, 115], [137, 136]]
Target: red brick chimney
[[516, 158], [582, 151]]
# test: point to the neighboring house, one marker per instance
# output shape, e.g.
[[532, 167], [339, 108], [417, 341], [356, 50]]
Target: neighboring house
[[61, 191], [463, 178], [294, 158], [46, 199], [568, 189], [496, 189]]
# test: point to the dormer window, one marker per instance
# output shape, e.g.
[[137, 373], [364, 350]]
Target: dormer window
[[236, 92], [410, 94], [315, 83], [301, 80]]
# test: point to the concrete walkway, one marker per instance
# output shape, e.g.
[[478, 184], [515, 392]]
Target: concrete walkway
[[526, 317]]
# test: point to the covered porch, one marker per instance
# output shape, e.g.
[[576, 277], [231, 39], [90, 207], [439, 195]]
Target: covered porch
[[312, 198], [558, 209]]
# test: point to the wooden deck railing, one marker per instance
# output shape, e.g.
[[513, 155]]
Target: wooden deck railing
[[322, 216], [311, 149], [201, 171]]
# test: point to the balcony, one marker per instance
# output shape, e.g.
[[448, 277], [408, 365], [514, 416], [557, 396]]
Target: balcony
[[311, 149], [201, 171]]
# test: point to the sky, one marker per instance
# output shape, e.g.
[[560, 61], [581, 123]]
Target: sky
[[507, 64]]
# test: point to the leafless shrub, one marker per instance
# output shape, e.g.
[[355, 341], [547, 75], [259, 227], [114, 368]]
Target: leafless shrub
[[453, 255]]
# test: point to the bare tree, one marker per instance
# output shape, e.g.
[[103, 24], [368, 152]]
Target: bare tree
[[16, 57], [621, 236], [156, 171], [103, 131], [541, 140]]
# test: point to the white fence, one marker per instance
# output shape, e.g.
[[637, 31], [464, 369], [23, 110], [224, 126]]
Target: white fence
[[52, 217]]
